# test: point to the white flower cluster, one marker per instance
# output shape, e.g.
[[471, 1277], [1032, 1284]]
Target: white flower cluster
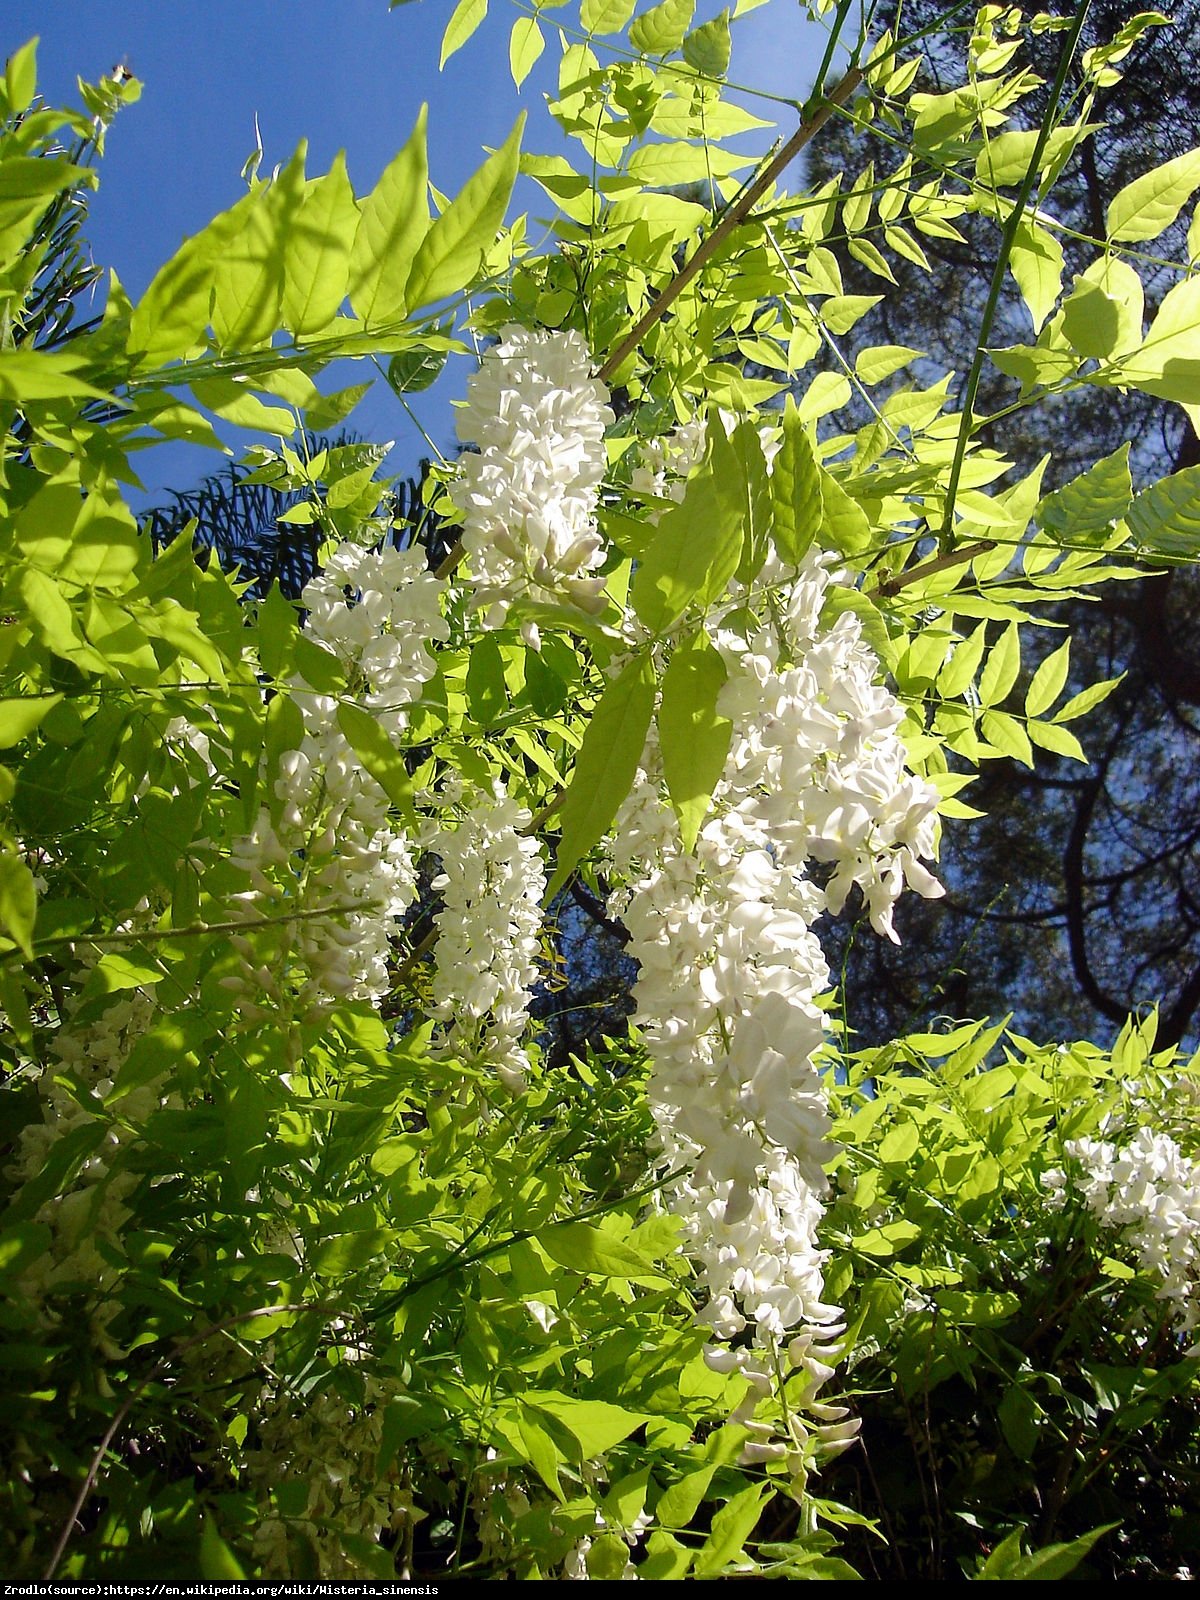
[[731, 971], [1147, 1190], [327, 1449], [326, 857], [528, 494], [87, 1217], [377, 611], [492, 881], [663, 465]]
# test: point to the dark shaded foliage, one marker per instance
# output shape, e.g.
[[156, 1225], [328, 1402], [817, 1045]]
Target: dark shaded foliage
[[238, 520], [1077, 900]]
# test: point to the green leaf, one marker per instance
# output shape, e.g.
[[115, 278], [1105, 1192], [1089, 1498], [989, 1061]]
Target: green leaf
[[20, 78], [1057, 1560], [66, 1155], [43, 375], [331, 409], [582, 1247], [171, 316], [1085, 509], [1167, 363], [605, 16], [796, 487], [451, 251], [1004, 159], [20, 1246], [164, 1046], [18, 901], [844, 524], [666, 1559], [341, 1253], [677, 162], [731, 1527], [1091, 320], [217, 1560], [92, 543], [872, 257], [378, 755], [694, 737], [411, 371], [1149, 205], [881, 361], [739, 470], [1058, 740], [607, 1557], [1019, 1415], [959, 672], [487, 693], [464, 19], [661, 29], [1007, 735], [707, 48], [230, 400], [1083, 702], [623, 1504], [393, 226], [320, 241], [595, 1425], [1003, 665], [1036, 262], [900, 1143], [543, 1453], [695, 550], [1165, 518], [248, 272], [1048, 680], [1004, 1557], [525, 45], [681, 1501], [606, 764], [20, 716]]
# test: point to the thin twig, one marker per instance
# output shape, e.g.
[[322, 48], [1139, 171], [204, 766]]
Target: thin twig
[[1007, 240], [955, 558], [736, 214], [136, 1393]]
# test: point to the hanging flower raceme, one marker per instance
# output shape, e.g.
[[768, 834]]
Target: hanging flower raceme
[[731, 972], [528, 494], [492, 882], [325, 854]]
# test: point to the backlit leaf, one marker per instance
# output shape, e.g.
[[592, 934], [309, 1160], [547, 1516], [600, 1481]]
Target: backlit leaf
[[661, 29], [796, 485], [451, 251], [606, 764], [694, 737], [1149, 205], [464, 19], [393, 224], [317, 266], [525, 45], [707, 48], [1048, 680]]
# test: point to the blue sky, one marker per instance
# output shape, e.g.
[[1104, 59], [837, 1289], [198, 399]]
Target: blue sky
[[349, 75]]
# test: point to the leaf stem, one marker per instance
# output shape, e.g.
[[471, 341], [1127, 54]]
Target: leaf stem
[[1007, 240]]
